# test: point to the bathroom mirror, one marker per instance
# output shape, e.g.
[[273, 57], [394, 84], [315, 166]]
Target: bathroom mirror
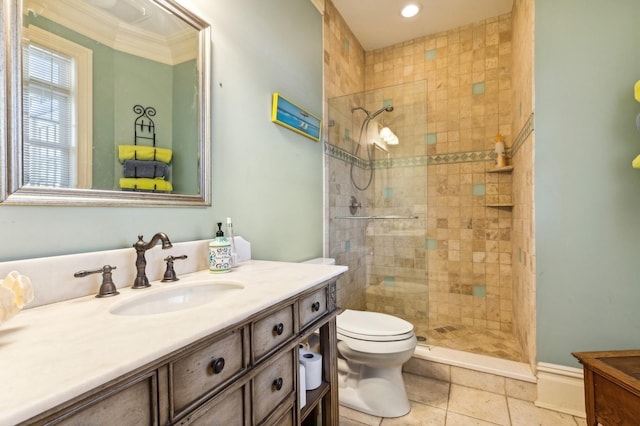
[[79, 73]]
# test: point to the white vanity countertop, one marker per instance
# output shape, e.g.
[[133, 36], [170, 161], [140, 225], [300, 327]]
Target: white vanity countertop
[[56, 352]]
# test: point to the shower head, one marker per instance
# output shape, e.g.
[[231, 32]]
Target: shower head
[[388, 108]]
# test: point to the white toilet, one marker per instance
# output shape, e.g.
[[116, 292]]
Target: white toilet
[[372, 349]]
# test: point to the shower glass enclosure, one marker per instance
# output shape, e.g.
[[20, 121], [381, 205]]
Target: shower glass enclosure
[[377, 200]]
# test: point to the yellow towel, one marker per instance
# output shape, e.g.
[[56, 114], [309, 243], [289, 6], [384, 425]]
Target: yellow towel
[[636, 162], [636, 90], [136, 152], [146, 184]]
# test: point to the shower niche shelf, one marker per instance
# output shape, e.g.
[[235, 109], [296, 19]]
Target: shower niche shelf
[[504, 169]]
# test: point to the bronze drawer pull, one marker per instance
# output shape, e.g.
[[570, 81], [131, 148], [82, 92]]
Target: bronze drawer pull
[[217, 365], [278, 329], [315, 307], [277, 383]]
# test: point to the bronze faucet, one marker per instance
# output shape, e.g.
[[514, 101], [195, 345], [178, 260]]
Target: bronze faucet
[[141, 247], [107, 288]]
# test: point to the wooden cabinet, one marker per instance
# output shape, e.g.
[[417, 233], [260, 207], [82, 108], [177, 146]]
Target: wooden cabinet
[[227, 409], [312, 307], [611, 387], [206, 368], [245, 374], [273, 384], [136, 399], [271, 331]]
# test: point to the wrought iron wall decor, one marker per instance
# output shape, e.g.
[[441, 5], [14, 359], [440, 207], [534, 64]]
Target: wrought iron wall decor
[[145, 167]]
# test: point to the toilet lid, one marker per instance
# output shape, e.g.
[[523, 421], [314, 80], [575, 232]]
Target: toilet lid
[[372, 325]]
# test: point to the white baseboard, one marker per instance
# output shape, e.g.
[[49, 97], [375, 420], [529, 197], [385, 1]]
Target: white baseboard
[[560, 388]]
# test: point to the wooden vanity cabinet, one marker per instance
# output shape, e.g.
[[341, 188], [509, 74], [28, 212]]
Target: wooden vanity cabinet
[[136, 399], [206, 368], [246, 374]]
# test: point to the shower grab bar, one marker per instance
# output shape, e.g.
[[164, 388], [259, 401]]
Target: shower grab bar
[[393, 217]]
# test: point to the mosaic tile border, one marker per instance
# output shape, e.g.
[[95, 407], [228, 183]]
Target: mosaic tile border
[[524, 133], [418, 161], [347, 157]]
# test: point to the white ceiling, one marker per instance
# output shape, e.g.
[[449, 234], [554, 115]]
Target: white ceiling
[[378, 23]]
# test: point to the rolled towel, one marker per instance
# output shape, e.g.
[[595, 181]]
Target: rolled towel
[[15, 292], [146, 184], [8, 307], [145, 169], [136, 152], [21, 286]]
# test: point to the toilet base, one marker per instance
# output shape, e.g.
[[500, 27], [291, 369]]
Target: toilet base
[[376, 391]]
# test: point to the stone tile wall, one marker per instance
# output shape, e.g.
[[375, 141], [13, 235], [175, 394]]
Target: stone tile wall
[[343, 74], [467, 245], [440, 171], [523, 234]]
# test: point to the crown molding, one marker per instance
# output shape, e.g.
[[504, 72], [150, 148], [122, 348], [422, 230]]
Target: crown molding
[[92, 23]]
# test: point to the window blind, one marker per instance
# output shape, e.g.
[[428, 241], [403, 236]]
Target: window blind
[[49, 142]]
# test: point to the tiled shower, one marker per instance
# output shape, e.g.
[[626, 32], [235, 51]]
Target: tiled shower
[[386, 235], [449, 271]]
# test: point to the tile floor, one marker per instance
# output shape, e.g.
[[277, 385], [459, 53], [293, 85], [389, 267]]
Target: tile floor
[[439, 403]]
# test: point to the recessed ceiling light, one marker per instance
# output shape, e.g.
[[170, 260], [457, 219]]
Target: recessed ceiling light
[[410, 10]]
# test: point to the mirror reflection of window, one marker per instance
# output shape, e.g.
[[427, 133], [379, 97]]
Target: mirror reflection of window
[[57, 112], [161, 58]]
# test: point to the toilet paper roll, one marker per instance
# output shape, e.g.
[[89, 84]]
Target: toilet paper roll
[[302, 391], [312, 362]]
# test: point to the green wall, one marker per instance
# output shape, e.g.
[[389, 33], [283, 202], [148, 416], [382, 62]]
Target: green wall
[[185, 161], [139, 81], [587, 196], [267, 178]]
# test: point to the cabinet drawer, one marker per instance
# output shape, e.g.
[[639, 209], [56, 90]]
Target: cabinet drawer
[[287, 419], [134, 403], [205, 369], [271, 331], [312, 307], [229, 411], [272, 385]]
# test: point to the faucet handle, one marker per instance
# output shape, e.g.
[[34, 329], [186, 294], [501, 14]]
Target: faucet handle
[[107, 288], [170, 273]]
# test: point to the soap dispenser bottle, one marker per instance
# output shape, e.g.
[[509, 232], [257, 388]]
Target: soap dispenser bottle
[[220, 252]]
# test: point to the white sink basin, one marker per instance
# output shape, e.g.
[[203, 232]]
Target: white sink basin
[[183, 296]]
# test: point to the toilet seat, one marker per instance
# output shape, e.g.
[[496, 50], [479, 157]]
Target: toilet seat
[[370, 338], [373, 326]]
